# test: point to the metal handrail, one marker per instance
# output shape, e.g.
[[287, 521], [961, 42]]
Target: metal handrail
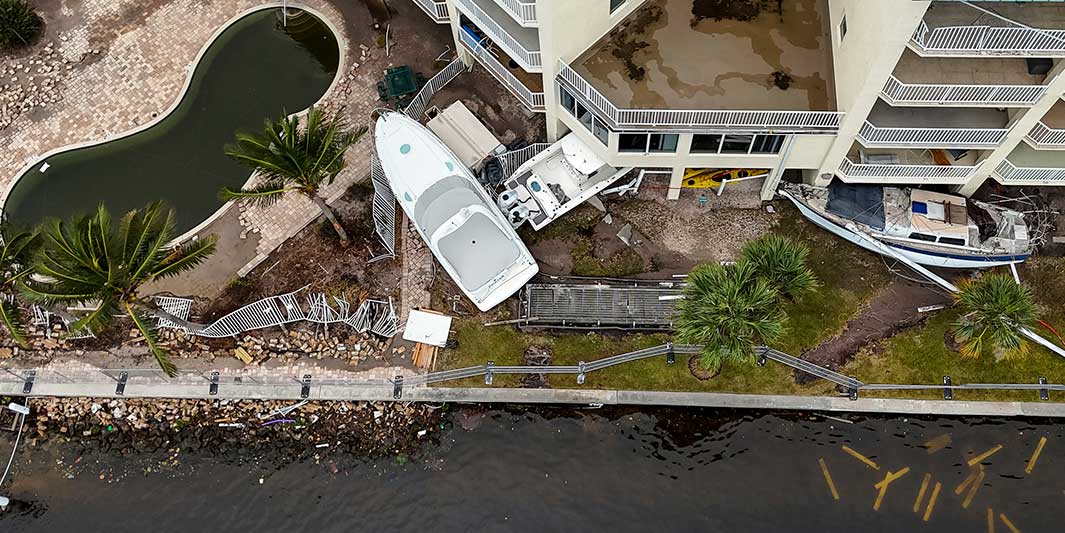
[[1009, 174], [436, 9], [875, 136], [947, 174], [1045, 136], [897, 92], [981, 40], [532, 100], [522, 11], [531, 59]]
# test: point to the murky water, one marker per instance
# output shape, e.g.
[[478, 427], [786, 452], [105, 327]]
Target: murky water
[[255, 70], [564, 470]]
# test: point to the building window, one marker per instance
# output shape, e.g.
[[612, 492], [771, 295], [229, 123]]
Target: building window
[[615, 4], [584, 116], [767, 144], [569, 102], [632, 142], [737, 144], [706, 144], [601, 132], [662, 143], [842, 28]]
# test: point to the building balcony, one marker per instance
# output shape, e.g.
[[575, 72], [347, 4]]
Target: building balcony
[[520, 43], [663, 67], [522, 11], [667, 66], [1021, 29], [1049, 133], [437, 10], [1027, 166], [526, 87], [963, 82], [928, 167], [915, 127]]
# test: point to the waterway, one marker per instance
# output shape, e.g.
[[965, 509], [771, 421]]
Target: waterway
[[576, 470], [256, 69]]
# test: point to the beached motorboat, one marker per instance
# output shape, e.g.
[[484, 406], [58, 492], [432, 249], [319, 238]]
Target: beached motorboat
[[554, 181], [453, 214], [930, 228]]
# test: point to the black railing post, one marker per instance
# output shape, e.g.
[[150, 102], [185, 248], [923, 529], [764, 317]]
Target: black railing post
[[120, 389], [671, 356], [305, 387], [213, 389], [948, 391], [1044, 394], [397, 388], [761, 355]]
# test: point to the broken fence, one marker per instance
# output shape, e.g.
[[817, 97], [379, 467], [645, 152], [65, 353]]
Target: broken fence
[[232, 380]]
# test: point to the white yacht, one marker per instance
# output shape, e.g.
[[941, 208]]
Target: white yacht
[[453, 214]]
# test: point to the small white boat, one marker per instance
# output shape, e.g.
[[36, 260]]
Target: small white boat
[[453, 214], [929, 228], [554, 181]]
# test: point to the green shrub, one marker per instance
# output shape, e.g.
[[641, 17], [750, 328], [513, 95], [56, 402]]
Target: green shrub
[[20, 26]]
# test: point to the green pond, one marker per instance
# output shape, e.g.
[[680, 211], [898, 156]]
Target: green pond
[[255, 70]]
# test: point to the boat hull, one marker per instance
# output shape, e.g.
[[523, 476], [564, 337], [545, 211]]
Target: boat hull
[[921, 257], [462, 227]]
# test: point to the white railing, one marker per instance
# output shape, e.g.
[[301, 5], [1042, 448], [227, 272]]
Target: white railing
[[530, 59], [436, 10], [871, 136], [987, 40], [1009, 174], [532, 100], [782, 121], [943, 174], [1045, 136], [510, 161], [417, 106], [523, 11], [899, 93]]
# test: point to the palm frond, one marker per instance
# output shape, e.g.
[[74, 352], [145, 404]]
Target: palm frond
[[9, 313], [782, 262], [185, 256], [151, 338], [993, 309], [260, 195], [98, 318]]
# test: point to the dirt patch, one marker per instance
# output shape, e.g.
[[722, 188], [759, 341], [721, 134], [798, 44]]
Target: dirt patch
[[626, 39], [890, 312], [315, 258], [741, 10]]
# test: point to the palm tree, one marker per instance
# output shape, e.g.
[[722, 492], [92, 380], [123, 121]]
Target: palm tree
[[993, 309], [90, 261], [19, 24], [16, 252], [729, 310], [782, 261], [289, 158]]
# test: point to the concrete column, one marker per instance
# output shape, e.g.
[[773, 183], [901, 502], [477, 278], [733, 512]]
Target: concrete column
[[769, 186], [1022, 123], [676, 179]]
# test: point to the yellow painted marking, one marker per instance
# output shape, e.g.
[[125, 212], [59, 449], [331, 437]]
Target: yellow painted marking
[[937, 443], [990, 521], [932, 501], [973, 472], [1035, 456], [883, 485], [920, 493], [828, 479], [869, 462], [1009, 524], [972, 490], [980, 458]]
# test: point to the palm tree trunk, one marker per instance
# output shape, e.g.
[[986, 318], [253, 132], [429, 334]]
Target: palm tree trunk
[[331, 216]]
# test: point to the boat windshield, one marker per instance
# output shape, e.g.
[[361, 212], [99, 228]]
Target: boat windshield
[[442, 200]]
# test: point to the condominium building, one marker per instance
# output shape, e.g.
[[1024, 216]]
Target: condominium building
[[914, 92]]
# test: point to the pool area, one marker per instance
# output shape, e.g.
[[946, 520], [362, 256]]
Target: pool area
[[256, 68]]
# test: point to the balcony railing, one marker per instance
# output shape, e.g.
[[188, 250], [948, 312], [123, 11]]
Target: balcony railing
[[777, 121], [1008, 174], [978, 41], [532, 100], [435, 9], [917, 94], [1043, 136], [523, 11], [530, 60], [873, 136], [880, 173]]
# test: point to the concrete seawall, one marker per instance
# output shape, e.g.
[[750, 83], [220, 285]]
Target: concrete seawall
[[354, 392]]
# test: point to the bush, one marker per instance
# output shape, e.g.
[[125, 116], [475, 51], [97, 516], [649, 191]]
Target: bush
[[20, 26], [993, 308]]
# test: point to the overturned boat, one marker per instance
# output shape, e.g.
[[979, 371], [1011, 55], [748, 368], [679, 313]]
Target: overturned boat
[[459, 222], [929, 228], [555, 181]]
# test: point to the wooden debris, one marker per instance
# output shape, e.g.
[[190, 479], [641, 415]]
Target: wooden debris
[[243, 355]]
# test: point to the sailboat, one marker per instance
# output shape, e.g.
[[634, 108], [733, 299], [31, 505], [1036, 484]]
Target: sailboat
[[929, 228]]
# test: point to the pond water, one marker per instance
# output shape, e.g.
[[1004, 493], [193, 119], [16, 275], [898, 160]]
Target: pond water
[[567, 470], [256, 69]]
